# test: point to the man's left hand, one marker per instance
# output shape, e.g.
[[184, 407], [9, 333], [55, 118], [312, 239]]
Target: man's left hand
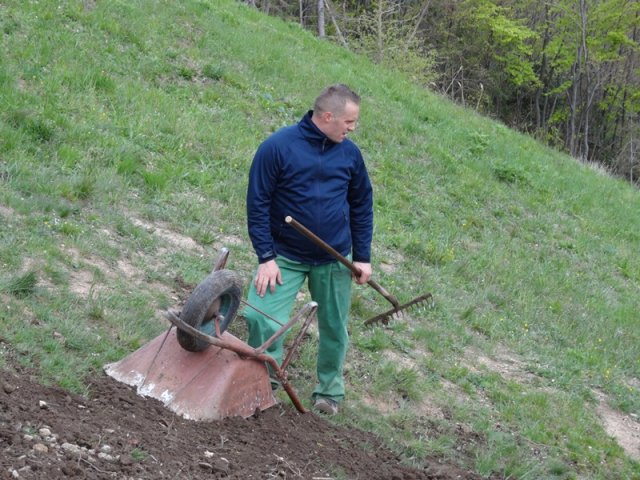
[[365, 272]]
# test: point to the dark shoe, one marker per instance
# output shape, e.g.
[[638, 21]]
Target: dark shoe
[[326, 405]]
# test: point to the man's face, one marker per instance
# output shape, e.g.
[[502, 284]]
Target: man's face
[[338, 126]]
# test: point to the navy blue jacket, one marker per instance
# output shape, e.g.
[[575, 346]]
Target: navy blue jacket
[[324, 185]]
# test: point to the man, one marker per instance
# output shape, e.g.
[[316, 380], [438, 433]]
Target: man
[[314, 173]]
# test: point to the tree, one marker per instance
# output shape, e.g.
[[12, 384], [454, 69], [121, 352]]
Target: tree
[[589, 51], [389, 32]]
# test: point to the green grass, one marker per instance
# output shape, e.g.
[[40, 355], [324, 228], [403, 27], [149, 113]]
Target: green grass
[[126, 133]]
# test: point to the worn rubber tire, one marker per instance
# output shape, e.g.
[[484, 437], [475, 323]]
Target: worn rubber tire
[[224, 286]]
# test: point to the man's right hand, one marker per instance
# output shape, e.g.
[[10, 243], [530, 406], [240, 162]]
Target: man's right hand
[[267, 276]]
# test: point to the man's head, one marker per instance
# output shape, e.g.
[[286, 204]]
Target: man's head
[[336, 111]]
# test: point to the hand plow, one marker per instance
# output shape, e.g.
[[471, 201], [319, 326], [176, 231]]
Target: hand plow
[[202, 372], [384, 317]]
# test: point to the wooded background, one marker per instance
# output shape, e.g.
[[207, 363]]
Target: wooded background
[[564, 71]]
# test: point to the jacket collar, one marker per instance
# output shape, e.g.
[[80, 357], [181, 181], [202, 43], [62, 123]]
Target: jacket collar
[[312, 133]]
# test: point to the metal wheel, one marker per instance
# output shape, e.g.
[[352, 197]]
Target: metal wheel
[[217, 295]]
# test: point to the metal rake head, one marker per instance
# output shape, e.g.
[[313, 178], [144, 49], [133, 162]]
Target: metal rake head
[[398, 311]]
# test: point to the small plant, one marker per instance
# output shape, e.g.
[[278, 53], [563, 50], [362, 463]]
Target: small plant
[[128, 165], [96, 311], [156, 180], [22, 286], [214, 72], [139, 454], [40, 130], [186, 73], [69, 229], [374, 342], [30, 430], [510, 175], [402, 381], [480, 143]]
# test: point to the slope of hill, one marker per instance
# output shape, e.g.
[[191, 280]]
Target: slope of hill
[[126, 132]]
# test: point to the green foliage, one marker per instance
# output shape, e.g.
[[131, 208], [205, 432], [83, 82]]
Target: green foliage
[[22, 286], [214, 72], [508, 40], [38, 128], [385, 35], [138, 454], [510, 174]]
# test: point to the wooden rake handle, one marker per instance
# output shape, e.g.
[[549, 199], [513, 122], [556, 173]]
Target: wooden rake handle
[[341, 258]]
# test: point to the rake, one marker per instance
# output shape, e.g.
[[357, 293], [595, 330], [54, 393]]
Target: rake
[[384, 318]]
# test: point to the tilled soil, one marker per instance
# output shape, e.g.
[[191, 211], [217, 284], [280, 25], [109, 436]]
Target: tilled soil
[[46, 432]]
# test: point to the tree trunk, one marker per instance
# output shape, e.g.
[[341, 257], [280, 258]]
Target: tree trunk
[[321, 32], [301, 10], [379, 33], [587, 96], [541, 119]]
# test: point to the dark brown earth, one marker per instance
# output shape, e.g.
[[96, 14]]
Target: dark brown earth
[[46, 432]]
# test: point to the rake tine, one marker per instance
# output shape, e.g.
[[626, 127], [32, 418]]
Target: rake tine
[[386, 316]]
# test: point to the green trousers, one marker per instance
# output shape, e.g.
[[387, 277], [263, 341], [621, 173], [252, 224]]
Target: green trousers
[[330, 287]]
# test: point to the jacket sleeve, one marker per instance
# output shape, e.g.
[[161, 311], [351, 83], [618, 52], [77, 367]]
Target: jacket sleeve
[[360, 199], [263, 175]]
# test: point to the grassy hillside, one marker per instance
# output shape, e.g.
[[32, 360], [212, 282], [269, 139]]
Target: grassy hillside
[[126, 133]]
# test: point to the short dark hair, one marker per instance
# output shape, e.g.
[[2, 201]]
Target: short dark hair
[[334, 98]]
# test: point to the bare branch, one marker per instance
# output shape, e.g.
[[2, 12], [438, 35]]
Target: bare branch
[[343, 40], [416, 27]]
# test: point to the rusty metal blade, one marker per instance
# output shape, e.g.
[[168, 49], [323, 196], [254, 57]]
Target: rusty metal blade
[[208, 385], [386, 316]]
